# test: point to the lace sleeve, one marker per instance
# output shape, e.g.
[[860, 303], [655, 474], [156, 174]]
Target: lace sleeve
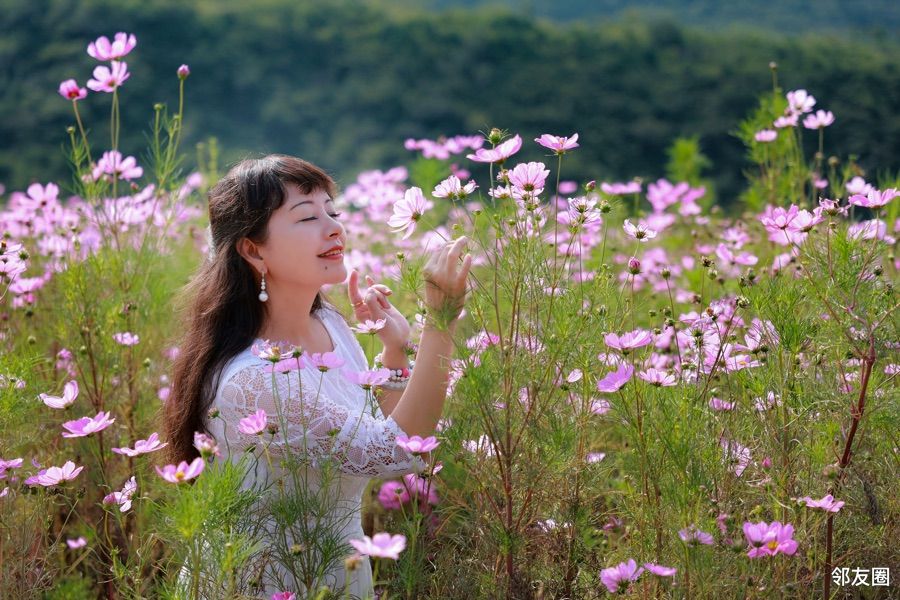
[[313, 423]]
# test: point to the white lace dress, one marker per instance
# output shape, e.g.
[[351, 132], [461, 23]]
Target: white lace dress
[[364, 446]]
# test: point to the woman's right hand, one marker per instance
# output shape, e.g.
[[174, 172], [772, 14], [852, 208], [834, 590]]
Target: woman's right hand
[[445, 283]]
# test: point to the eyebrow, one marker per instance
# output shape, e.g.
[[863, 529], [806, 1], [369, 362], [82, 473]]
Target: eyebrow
[[309, 202]]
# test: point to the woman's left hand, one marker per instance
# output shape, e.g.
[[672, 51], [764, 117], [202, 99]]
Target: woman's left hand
[[375, 305]]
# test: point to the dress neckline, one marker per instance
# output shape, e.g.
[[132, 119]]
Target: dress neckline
[[324, 322]]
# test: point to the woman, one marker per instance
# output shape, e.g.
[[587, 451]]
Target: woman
[[272, 224]]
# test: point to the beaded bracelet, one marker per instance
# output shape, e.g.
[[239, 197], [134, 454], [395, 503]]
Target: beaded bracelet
[[398, 377]]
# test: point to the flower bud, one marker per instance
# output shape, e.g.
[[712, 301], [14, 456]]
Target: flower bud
[[743, 301], [634, 265], [666, 273], [213, 413], [495, 136], [604, 206], [590, 185], [183, 72]]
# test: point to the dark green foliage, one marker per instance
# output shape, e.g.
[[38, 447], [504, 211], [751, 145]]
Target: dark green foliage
[[344, 83]]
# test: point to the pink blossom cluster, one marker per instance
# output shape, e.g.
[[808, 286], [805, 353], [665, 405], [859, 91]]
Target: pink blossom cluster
[[443, 148]]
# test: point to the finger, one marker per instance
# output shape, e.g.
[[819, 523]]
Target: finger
[[382, 300], [374, 306], [353, 287], [453, 255]]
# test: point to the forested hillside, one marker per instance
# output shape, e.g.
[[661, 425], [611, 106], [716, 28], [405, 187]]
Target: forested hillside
[[878, 17], [345, 83]]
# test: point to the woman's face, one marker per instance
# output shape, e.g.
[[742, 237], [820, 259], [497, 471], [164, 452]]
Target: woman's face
[[302, 228]]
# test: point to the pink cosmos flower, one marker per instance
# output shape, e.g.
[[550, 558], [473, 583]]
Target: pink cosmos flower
[[777, 222], [615, 380], [734, 455], [693, 536], [183, 471], [639, 232], [720, 405], [786, 121], [382, 545], [482, 445], [558, 144], [769, 540], [594, 457], [14, 463], [55, 475], [77, 543], [601, 406], [628, 341], [660, 570], [827, 503], [369, 326], [205, 444], [286, 365], [369, 378], [420, 488], [325, 361], [103, 50], [70, 393], [87, 425], [151, 444], [858, 185], [822, 118], [408, 211], [393, 495], [618, 578], [255, 424], [730, 257], [126, 338], [874, 198], [284, 596], [770, 401], [567, 187], [272, 351], [765, 135], [528, 178], [69, 90], [499, 153], [416, 444], [658, 378], [122, 498], [108, 80], [453, 189], [112, 163], [799, 101], [620, 189]]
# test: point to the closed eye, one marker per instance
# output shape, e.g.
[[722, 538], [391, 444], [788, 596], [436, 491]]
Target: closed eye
[[334, 216]]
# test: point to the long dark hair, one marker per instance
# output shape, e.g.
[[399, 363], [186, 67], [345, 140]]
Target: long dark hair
[[223, 313]]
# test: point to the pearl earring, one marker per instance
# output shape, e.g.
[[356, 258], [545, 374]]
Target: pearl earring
[[263, 296]]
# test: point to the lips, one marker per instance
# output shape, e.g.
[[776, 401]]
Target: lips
[[334, 251]]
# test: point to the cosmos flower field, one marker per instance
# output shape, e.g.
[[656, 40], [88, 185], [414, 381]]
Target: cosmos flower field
[[653, 395]]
